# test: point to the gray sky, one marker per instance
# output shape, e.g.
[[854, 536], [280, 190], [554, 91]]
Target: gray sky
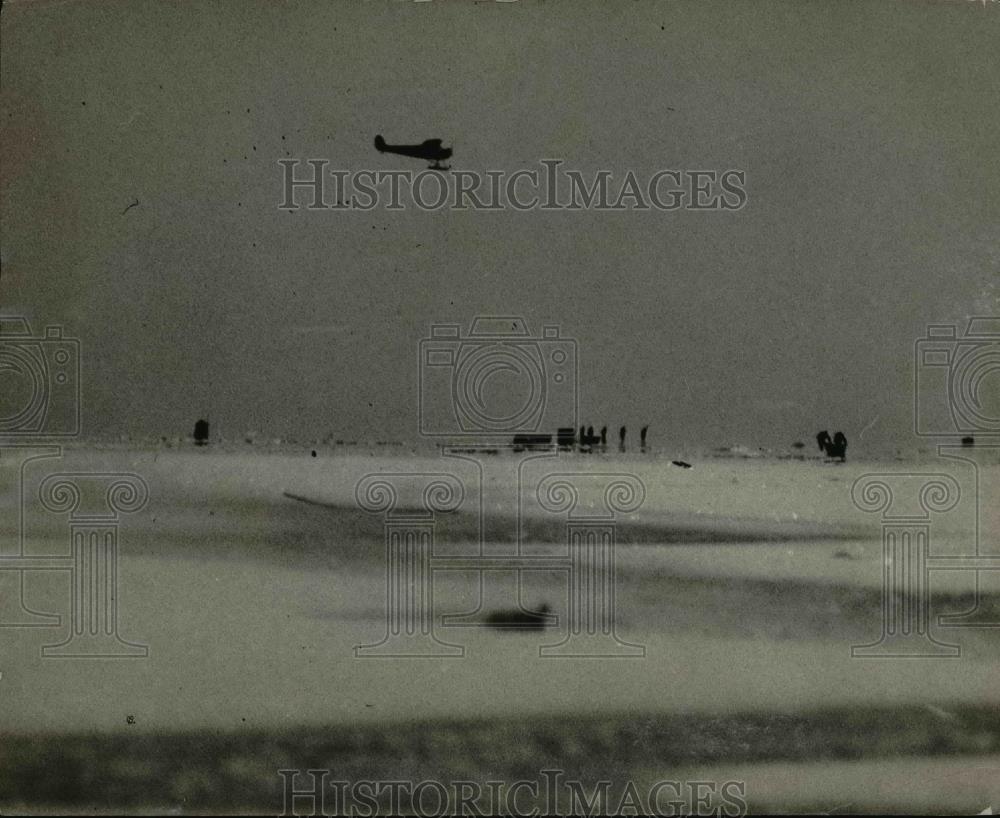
[[867, 130]]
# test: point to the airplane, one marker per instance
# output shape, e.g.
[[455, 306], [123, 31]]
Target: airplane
[[429, 149]]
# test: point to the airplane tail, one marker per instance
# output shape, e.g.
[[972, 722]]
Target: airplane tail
[[379, 143]]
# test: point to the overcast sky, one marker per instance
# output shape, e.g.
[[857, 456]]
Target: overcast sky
[[867, 131]]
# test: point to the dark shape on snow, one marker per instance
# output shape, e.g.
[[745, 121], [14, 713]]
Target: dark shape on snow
[[201, 433], [566, 437], [839, 447], [532, 442], [681, 463], [517, 619], [835, 448], [588, 440]]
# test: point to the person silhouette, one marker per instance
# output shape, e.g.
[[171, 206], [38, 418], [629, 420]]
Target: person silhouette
[[604, 437], [835, 447], [642, 437], [839, 447], [621, 439], [823, 441], [201, 433]]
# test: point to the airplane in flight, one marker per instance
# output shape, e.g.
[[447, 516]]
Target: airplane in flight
[[429, 149]]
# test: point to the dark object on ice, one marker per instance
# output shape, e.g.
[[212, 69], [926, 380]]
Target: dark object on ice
[[681, 463], [511, 619], [604, 437], [968, 442], [621, 439], [566, 437], [588, 440], [313, 452], [531, 442], [201, 433], [835, 448], [838, 448], [642, 437], [798, 444]]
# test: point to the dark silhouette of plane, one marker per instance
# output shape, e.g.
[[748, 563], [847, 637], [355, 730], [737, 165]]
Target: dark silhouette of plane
[[429, 149]]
